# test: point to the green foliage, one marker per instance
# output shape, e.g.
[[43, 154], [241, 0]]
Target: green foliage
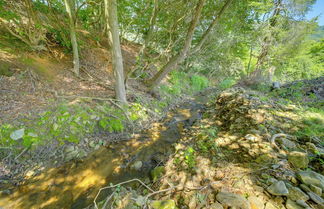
[[206, 140], [294, 92], [64, 124], [190, 158], [227, 83], [312, 123], [181, 83], [198, 82]]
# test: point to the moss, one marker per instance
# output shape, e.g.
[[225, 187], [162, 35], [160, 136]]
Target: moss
[[5, 69]]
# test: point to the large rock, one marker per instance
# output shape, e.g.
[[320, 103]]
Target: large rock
[[287, 143], [296, 194], [233, 200], [316, 198], [311, 177], [316, 190], [292, 205], [298, 159], [278, 188]]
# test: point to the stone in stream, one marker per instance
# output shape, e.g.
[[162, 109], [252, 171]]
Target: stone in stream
[[278, 188], [232, 200], [298, 159], [311, 178]]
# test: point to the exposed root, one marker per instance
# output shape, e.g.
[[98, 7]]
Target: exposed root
[[273, 140]]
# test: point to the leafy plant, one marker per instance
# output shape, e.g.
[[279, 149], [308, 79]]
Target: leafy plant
[[227, 83], [189, 157]]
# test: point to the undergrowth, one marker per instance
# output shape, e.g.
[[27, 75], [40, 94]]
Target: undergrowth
[[69, 123], [180, 83]]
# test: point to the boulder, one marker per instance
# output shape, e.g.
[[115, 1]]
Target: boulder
[[316, 198], [296, 194], [278, 188], [311, 178], [298, 159], [232, 200]]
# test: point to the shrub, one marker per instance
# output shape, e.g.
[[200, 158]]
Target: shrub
[[198, 83], [227, 83]]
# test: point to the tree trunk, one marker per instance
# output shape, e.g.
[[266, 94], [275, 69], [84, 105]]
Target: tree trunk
[[257, 74], [174, 61], [117, 59], [69, 5], [148, 36], [210, 28]]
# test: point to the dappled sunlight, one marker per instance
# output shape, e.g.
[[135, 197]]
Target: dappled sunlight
[[81, 180]]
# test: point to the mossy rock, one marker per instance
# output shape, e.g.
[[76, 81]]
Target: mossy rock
[[157, 173], [163, 204]]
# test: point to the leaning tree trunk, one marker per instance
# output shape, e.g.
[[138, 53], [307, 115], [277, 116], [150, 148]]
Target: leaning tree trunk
[[258, 74], [173, 62], [117, 59], [69, 4], [210, 28]]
